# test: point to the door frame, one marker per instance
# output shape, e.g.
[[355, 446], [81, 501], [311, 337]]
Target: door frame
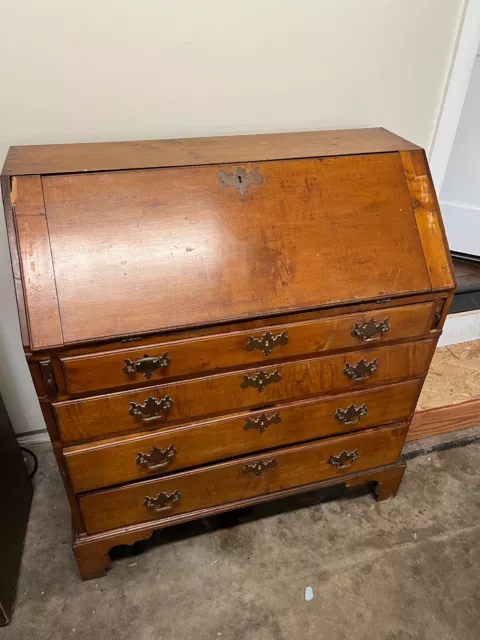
[[465, 52]]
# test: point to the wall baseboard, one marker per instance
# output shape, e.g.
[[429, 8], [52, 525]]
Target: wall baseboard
[[462, 224], [35, 437], [461, 327], [433, 422]]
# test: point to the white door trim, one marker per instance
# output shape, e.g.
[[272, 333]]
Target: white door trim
[[466, 48]]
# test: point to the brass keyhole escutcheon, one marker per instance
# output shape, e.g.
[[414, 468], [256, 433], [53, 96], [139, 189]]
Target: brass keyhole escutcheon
[[239, 179]]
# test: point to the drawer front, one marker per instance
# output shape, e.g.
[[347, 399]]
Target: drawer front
[[247, 389], [240, 479], [159, 362], [120, 460]]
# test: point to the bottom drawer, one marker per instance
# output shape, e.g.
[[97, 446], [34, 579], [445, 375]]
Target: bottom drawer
[[240, 479]]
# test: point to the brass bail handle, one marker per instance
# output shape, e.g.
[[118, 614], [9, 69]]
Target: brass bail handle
[[151, 409], [157, 458], [146, 365], [162, 501]]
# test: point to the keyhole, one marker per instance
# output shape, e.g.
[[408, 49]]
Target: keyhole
[[239, 179]]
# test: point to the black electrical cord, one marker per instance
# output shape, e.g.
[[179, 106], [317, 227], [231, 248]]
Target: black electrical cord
[[35, 461]]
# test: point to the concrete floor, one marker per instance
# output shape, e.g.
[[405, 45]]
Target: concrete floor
[[406, 568]]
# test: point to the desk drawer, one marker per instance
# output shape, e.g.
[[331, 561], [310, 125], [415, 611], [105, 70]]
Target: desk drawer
[[174, 359], [119, 460], [240, 479], [247, 389]]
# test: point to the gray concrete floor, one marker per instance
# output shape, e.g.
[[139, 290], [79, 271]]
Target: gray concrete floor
[[405, 568]]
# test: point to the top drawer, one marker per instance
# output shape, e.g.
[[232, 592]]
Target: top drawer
[[174, 359]]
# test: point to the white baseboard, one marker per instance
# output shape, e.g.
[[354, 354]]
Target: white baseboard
[[462, 225], [461, 327], [35, 437]]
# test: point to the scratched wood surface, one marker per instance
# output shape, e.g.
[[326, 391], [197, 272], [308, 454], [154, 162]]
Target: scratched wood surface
[[114, 461], [38, 276], [224, 393], [429, 220], [95, 372], [140, 251], [226, 482], [107, 156], [140, 241]]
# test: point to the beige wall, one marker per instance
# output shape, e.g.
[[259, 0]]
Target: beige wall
[[124, 69]]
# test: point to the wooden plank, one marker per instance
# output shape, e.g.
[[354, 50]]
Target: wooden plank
[[115, 461], [174, 248], [27, 196], [429, 220], [226, 393], [36, 264], [91, 551], [15, 259], [230, 481], [104, 156], [453, 417]]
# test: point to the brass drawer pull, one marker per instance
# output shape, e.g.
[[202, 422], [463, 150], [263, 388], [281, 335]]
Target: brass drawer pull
[[366, 331], [239, 179], [352, 414], [260, 380], [344, 459], [151, 409], [146, 365], [362, 370], [162, 501], [267, 342], [262, 423], [157, 458], [258, 468]]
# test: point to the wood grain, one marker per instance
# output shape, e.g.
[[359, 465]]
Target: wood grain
[[113, 461], [228, 482], [39, 284], [93, 372], [27, 196], [143, 251], [253, 324], [454, 417], [15, 259], [223, 393], [429, 220], [140, 241], [105, 156], [91, 551]]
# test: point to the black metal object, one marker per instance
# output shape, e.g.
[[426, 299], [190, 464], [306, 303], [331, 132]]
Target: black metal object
[[467, 294], [15, 497]]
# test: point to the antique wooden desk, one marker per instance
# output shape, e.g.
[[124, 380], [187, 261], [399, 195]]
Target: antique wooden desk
[[212, 323]]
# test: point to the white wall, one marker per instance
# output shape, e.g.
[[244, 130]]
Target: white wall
[[113, 70], [460, 194]]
